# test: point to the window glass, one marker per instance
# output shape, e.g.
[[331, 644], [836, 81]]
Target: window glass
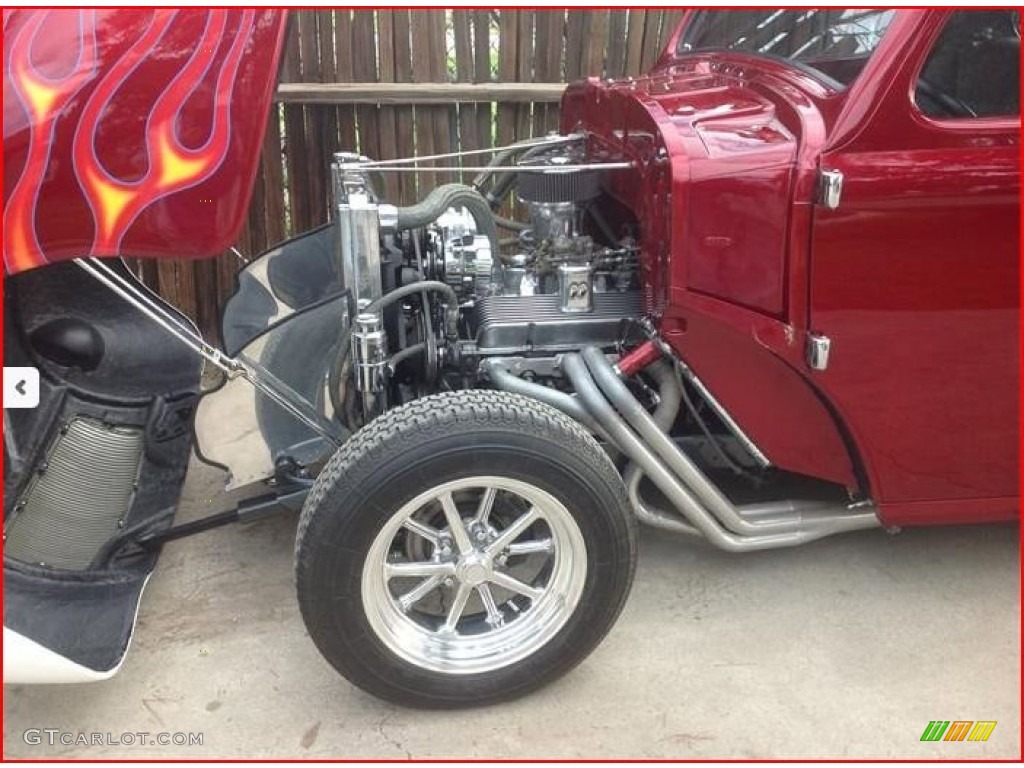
[[974, 68], [834, 43]]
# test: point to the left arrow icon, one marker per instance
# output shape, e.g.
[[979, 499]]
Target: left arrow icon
[[21, 387]]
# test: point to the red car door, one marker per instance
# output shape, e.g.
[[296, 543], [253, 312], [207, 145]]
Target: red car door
[[914, 277]]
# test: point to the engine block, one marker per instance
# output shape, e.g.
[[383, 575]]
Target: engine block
[[511, 325]]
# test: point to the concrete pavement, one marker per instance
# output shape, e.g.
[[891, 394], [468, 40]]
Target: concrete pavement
[[845, 648]]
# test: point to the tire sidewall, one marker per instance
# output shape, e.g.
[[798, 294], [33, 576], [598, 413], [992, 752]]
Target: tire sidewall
[[352, 513]]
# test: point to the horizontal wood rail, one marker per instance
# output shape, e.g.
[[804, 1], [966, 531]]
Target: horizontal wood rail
[[417, 93]]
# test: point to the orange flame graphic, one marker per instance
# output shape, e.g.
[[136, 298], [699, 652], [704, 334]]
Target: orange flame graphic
[[44, 99], [172, 167]]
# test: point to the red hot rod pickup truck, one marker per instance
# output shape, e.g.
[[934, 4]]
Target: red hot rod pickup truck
[[764, 294]]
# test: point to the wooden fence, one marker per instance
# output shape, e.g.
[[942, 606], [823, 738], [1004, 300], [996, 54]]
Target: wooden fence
[[395, 83]]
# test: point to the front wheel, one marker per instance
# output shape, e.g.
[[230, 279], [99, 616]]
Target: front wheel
[[464, 549]]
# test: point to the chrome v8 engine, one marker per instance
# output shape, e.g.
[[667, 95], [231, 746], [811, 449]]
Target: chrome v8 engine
[[564, 276]]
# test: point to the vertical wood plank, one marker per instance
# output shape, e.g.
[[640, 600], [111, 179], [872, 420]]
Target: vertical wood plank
[[424, 119], [507, 52], [299, 217], [149, 274], [596, 44], [669, 23], [386, 74], [615, 62], [204, 272], [524, 69], [344, 72], [177, 284], [442, 116], [555, 63], [273, 175], [652, 29], [635, 41], [405, 116], [328, 74], [468, 138], [225, 274], [313, 173], [482, 74], [575, 29], [542, 73], [364, 61]]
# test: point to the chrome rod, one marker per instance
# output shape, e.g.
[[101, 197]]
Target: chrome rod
[[160, 316], [552, 141], [724, 415], [470, 168], [151, 299], [232, 367]]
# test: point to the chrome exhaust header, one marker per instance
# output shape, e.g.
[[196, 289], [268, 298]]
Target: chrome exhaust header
[[701, 507]]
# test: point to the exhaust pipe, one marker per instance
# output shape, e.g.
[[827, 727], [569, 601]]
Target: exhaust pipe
[[670, 395], [700, 503], [507, 381], [675, 459]]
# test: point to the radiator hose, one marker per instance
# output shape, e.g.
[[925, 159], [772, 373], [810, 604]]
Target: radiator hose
[[452, 196]]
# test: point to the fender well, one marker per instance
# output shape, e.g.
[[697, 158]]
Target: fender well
[[772, 402]]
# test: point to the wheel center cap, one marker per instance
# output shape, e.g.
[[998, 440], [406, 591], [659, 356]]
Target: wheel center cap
[[472, 571]]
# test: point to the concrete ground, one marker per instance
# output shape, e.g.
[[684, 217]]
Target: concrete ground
[[845, 648]]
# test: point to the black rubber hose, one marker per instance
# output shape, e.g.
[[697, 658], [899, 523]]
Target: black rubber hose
[[411, 351], [510, 224], [430, 344], [112, 547], [452, 196], [451, 315]]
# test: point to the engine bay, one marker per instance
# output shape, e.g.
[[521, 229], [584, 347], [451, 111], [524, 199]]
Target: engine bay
[[473, 284]]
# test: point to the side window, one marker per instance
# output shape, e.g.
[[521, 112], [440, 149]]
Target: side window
[[974, 69]]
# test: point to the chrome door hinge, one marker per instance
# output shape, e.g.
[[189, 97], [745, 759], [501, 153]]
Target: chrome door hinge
[[818, 347], [830, 188]]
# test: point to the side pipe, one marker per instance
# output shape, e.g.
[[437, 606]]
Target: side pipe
[[684, 499]]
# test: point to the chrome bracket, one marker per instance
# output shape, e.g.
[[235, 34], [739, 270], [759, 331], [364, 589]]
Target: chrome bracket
[[830, 188], [818, 348]]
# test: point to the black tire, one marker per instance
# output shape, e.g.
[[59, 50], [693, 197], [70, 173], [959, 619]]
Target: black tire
[[422, 445]]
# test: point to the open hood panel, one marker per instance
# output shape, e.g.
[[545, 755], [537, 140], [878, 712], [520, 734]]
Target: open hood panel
[[132, 131]]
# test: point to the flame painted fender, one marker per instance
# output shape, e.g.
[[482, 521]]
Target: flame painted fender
[[133, 132]]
